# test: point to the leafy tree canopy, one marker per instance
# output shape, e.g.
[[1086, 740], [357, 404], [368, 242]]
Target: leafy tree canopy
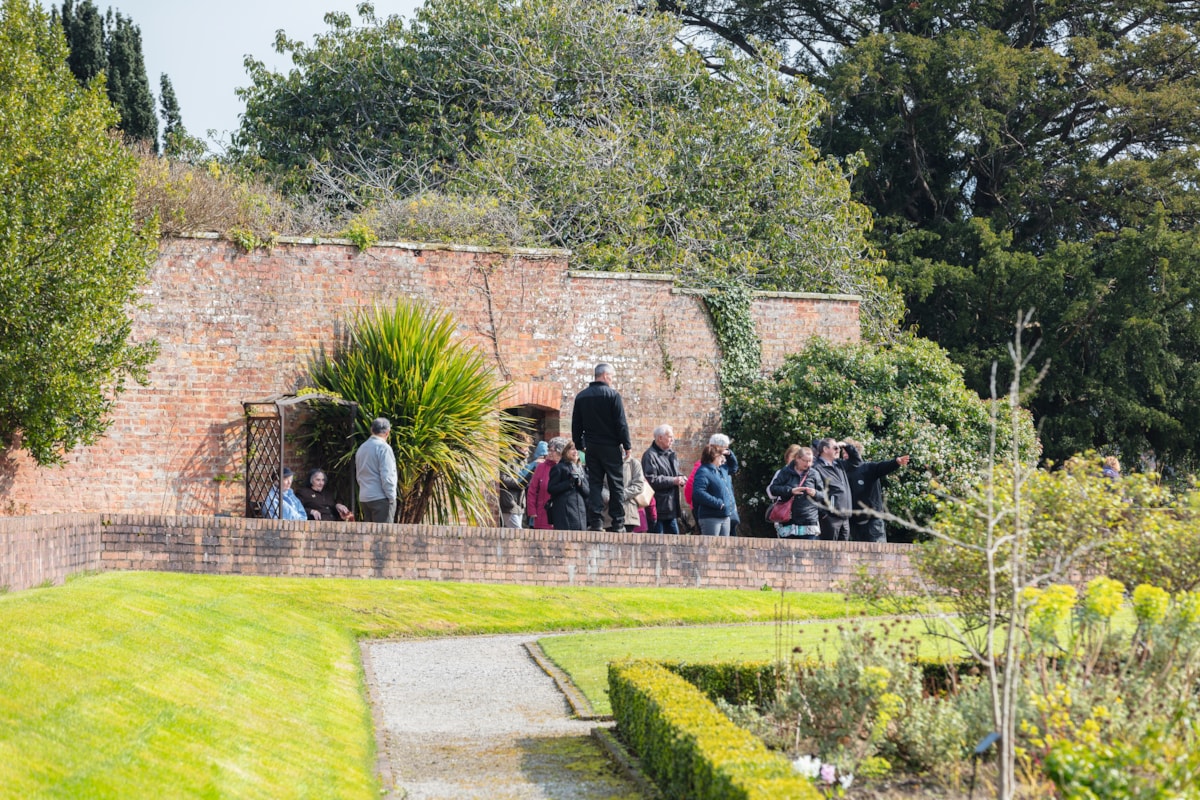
[[907, 397], [602, 133], [71, 255], [1023, 156]]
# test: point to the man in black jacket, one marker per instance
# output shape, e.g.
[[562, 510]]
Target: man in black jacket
[[865, 491], [599, 429], [835, 521]]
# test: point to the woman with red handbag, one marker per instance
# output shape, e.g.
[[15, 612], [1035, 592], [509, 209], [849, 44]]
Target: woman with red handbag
[[806, 488]]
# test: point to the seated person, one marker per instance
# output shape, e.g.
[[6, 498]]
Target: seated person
[[290, 508], [319, 500]]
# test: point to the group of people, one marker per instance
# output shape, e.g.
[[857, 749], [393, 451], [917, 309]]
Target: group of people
[[835, 493], [592, 481], [609, 489], [375, 469]]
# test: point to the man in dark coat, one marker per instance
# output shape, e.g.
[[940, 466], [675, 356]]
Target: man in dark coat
[[835, 520], [865, 491], [661, 468], [599, 429]]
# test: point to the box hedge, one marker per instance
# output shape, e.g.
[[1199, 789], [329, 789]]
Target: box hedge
[[688, 747]]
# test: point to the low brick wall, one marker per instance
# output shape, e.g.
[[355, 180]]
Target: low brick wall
[[37, 550], [236, 546]]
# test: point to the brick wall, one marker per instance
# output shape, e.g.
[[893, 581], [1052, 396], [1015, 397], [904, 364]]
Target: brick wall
[[46, 549], [235, 326], [234, 546]]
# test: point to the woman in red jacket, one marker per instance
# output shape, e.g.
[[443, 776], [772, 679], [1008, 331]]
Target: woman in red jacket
[[537, 494]]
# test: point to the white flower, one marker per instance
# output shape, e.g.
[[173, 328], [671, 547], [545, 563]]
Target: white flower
[[846, 780], [808, 766]]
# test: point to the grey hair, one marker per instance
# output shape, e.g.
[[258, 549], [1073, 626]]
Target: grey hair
[[558, 444], [603, 368], [719, 439], [380, 425], [315, 473], [662, 430]]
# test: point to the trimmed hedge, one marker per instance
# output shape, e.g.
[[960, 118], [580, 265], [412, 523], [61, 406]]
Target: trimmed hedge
[[753, 682], [736, 682], [688, 747]]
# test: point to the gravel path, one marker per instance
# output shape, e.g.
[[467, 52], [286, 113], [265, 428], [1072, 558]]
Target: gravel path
[[475, 717]]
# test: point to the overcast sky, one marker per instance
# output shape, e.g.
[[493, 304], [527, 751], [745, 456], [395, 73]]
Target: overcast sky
[[201, 44]]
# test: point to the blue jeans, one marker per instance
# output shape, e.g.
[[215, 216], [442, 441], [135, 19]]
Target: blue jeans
[[714, 526], [666, 526]]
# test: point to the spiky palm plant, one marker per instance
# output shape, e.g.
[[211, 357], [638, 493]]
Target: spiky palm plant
[[443, 399]]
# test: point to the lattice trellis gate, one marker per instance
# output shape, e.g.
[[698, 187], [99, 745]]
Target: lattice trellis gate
[[265, 423]]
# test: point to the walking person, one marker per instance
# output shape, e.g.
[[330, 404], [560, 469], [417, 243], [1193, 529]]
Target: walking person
[[569, 490], [661, 467], [866, 492], [835, 518], [807, 488], [599, 429], [375, 470], [711, 493]]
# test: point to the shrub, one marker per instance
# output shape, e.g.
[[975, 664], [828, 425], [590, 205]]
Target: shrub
[[442, 398], [193, 198], [688, 747], [907, 397]]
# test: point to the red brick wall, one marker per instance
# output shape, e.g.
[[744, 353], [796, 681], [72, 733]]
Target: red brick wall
[[235, 326], [46, 549], [235, 546]]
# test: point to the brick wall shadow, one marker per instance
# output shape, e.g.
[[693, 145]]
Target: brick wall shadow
[[207, 479]]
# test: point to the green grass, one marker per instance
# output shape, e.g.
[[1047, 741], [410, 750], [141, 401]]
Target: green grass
[[584, 657], [129, 685]]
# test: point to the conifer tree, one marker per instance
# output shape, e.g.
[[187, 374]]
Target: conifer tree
[[111, 44]]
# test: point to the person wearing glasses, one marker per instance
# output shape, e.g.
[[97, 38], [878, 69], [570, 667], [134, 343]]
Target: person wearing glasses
[[835, 517], [660, 465]]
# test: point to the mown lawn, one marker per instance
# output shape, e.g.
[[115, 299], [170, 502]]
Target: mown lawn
[[585, 656], [149, 685]]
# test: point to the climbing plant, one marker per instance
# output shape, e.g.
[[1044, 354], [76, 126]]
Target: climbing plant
[[728, 304]]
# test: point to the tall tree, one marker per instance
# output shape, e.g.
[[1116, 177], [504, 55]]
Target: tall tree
[[600, 132], [84, 27], [112, 44], [128, 86], [169, 108], [1025, 155], [71, 253]]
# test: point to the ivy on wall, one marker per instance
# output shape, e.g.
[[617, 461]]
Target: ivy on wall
[[729, 304]]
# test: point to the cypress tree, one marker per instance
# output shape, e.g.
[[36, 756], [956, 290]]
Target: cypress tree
[[111, 44], [84, 29], [169, 108], [128, 86]]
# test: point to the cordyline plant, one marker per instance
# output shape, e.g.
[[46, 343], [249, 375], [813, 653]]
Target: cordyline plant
[[442, 397]]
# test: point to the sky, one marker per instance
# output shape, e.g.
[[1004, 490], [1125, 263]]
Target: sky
[[201, 46]]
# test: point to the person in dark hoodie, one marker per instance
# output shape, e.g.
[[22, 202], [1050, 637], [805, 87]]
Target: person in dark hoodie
[[599, 429], [865, 491]]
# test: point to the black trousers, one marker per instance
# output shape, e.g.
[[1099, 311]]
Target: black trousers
[[604, 463], [835, 529], [867, 531]]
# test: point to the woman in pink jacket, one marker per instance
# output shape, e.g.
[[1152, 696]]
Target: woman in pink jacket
[[537, 494]]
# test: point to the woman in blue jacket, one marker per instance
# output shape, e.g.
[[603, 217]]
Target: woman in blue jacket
[[712, 496]]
